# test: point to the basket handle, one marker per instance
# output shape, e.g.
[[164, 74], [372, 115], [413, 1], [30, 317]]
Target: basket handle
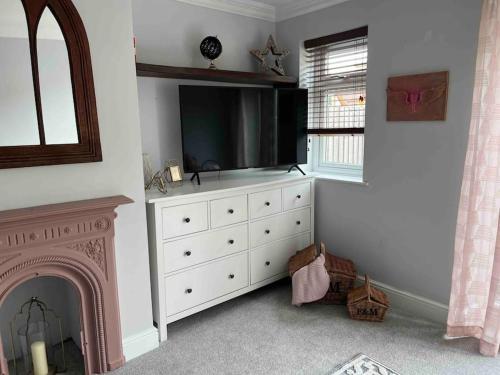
[[367, 286], [322, 249]]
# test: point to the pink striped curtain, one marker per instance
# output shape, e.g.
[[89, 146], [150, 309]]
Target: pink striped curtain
[[475, 295]]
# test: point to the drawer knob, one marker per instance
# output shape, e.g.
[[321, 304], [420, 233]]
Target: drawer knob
[[231, 211], [231, 242], [187, 253], [299, 196], [268, 231], [231, 276], [189, 291], [298, 222], [268, 263], [187, 220], [268, 204]]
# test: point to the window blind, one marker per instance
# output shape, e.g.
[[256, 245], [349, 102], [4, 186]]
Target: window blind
[[335, 76]]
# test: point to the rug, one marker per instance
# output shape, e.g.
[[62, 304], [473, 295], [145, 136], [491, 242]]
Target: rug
[[363, 365]]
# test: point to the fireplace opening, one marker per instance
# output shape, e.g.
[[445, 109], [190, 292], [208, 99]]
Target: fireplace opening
[[40, 325]]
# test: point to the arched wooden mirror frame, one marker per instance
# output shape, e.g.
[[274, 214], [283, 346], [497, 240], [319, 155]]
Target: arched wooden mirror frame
[[89, 147]]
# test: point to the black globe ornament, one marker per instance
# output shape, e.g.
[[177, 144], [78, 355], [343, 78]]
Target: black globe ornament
[[211, 48]]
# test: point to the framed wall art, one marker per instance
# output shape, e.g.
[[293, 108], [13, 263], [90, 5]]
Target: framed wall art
[[419, 97]]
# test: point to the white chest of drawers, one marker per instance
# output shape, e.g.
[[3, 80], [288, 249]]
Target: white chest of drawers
[[227, 237]]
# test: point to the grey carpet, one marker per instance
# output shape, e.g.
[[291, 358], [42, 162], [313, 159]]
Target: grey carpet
[[261, 333]]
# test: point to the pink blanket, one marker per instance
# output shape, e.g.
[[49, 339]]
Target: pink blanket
[[311, 282]]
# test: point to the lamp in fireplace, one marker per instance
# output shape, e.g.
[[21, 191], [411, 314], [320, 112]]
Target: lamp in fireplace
[[32, 327]]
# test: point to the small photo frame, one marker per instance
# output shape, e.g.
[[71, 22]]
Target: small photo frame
[[173, 172]]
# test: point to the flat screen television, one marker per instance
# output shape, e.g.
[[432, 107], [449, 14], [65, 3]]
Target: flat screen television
[[225, 128]]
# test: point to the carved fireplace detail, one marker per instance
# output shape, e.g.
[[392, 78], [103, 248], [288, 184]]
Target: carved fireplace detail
[[73, 241]]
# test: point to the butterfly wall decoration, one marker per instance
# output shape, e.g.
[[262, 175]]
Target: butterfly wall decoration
[[419, 97]]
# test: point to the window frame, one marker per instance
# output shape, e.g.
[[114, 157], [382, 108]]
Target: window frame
[[348, 170], [315, 135]]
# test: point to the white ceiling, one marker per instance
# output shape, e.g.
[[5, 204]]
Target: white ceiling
[[279, 2], [269, 10], [286, 9]]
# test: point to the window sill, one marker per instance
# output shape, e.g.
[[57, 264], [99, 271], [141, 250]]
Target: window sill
[[339, 178]]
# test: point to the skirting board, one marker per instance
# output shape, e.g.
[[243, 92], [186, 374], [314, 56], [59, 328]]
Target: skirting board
[[419, 306], [141, 343]]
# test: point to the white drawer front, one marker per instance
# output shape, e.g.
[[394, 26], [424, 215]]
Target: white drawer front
[[280, 226], [271, 260], [228, 211], [194, 287], [204, 247], [184, 219], [296, 196], [264, 203]]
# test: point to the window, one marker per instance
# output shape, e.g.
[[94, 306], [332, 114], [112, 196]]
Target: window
[[335, 74]]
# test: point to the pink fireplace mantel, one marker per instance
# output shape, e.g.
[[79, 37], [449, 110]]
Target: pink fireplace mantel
[[73, 241]]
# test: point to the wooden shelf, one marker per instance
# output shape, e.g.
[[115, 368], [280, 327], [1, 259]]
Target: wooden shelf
[[161, 71]]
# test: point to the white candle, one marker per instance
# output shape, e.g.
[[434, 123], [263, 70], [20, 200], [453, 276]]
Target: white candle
[[39, 355]]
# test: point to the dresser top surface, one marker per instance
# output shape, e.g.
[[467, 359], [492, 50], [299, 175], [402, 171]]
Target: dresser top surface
[[229, 182]]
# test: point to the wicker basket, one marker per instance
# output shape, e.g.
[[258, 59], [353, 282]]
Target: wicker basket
[[301, 259], [367, 303], [342, 274]]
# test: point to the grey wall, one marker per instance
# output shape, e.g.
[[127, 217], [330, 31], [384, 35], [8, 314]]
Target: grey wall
[[109, 29], [400, 229], [169, 33]]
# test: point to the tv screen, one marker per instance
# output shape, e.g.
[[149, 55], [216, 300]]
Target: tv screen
[[226, 128]]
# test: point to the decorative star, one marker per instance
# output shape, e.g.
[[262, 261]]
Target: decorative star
[[279, 53]]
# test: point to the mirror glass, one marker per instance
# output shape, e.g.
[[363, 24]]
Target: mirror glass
[[56, 90], [18, 119]]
